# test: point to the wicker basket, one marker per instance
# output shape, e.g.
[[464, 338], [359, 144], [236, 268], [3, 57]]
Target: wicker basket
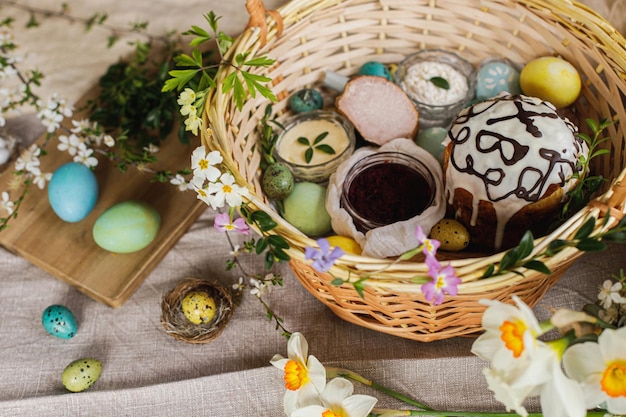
[[336, 35]]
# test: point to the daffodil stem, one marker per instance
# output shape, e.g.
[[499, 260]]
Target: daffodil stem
[[397, 413], [330, 372]]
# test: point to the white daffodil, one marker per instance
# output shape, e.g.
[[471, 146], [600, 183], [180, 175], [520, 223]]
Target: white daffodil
[[610, 294], [520, 364], [304, 374], [225, 190], [337, 401], [203, 164], [601, 370]]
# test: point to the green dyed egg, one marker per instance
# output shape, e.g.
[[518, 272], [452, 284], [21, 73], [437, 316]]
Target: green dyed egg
[[305, 208], [452, 235], [81, 374], [126, 227]]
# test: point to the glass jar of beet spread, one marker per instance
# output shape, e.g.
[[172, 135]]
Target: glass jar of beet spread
[[386, 187]]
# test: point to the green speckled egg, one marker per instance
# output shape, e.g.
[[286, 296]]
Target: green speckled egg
[[452, 235], [306, 100], [126, 227], [277, 181], [81, 374], [198, 307]]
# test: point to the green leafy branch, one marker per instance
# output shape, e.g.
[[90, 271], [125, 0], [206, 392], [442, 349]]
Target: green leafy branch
[[521, 256], [201, 77], [273, 245], [268, 137]]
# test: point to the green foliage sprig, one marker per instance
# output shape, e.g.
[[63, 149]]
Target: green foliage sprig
[[201, 77], [315, 146], [273, 245]]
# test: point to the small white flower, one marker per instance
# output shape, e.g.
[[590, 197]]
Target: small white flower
[[29, 160], [238, 286], [108, 141], [81, 126], [227, 191], [193, 122], [151, 148], [6, 203], [181, 183], [235, 252], [69, 143], [188, 96], [260, 287], [610, 293], [203, 164], [41, 180], [50, 119], [84, 156]]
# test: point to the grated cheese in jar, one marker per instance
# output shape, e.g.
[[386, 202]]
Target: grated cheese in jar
[[417, 84]]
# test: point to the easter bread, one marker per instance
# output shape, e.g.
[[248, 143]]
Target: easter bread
[[509, 162]]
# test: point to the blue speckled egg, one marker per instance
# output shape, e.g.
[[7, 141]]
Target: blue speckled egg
[[126, 227], [59, 321], [73, 191], [305, 100], [376, 68], [495, 77], [431, 140]]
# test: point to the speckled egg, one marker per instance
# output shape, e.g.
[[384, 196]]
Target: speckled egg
[[126, 227], [551, 79], [198, 307], [81, 374], [73, 192], [305, 100], [277, 181], [375, 68], [59, 321], [452, 235], [431, 140], [495, 77]]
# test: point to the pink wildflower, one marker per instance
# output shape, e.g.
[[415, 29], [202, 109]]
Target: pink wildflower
[[223, 223], [444, 281], [429, 246]]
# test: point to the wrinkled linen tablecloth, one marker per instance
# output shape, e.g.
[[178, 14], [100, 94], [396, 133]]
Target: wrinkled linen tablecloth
[[147, 372]]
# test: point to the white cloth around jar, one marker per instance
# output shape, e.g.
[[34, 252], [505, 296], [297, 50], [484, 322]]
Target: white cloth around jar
[[396, 238]]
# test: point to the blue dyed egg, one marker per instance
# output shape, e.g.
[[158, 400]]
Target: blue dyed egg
[[59, 321], [306, 100], [377, 69], [73, 192], [495, 77], [126, 227], [431, 140]]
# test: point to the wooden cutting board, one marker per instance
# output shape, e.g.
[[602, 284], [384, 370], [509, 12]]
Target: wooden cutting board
[[68, 251]]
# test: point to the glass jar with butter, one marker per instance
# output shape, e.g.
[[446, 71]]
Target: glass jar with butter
[[313, 144]]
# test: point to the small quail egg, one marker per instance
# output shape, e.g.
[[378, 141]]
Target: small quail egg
[[306, 100], [81, 374], [59, 321], [452, 235], [376, 68], [199, 307], [277, 181]]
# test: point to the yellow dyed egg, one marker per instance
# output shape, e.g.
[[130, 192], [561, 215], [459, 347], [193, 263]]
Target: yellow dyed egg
[[198, 307], [348, 244], [551, 79], [452, 235]]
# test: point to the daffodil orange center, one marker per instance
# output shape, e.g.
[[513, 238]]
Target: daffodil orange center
[[513, 336], [330, 413], [614, 379], [296, 375]]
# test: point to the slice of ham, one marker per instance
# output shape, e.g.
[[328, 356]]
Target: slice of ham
[[378, 108]]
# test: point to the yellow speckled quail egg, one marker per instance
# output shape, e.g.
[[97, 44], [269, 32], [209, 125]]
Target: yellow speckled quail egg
[[198, 307], [452, 235], [81, 374]]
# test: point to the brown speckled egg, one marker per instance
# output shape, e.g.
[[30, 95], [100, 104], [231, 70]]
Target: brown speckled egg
[[452, 235]]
